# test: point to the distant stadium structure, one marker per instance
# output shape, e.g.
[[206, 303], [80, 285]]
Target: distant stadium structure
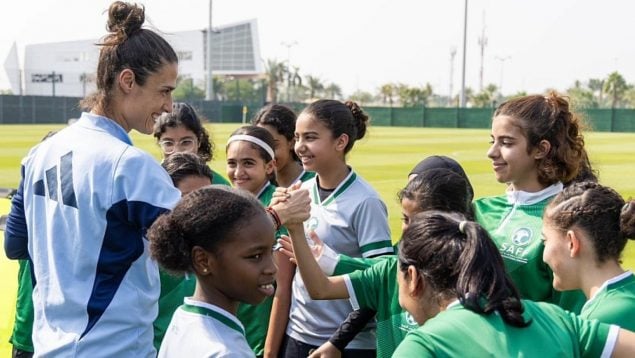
[[68, 68]]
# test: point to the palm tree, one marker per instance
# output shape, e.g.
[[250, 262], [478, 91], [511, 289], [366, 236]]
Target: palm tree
[[597, 85], [616, 86], [314, 84], [275, 72], [387, 91], [293, 80], [333, 91]]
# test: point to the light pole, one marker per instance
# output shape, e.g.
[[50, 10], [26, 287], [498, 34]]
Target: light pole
[[289, 45], [209, 91], [463, 99], [452, 54], [502, 60]]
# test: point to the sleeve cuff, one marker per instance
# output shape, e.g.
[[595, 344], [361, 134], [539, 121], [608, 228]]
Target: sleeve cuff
[[328, 260]]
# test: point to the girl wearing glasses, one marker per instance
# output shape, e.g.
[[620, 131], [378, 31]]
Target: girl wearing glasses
[[182, 131]]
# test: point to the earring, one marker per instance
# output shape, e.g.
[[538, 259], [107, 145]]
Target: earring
[[205, 270]]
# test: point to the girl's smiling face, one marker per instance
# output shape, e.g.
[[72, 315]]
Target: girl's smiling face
[[315, 145], [246, 168], [512, 162]]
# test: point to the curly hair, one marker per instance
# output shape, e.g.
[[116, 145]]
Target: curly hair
[[549, 118]]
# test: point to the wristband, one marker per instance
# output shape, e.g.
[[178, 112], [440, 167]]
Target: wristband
[[276, 219]]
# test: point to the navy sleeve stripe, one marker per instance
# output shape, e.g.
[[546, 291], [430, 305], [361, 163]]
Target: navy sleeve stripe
[[126, 223]]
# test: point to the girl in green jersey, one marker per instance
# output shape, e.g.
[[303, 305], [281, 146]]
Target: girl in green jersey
[[585, 230], [182, 130], [453, 282], [536, 148]]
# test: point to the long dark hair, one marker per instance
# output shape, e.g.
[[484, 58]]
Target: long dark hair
[[457, 258], [127, 46]]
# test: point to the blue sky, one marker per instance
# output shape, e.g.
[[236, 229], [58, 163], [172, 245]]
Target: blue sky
[[363, 44]]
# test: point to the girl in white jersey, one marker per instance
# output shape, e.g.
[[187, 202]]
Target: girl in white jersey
[[536, 148], [453, 282], [346, 213], [223, 236], [585, 229]]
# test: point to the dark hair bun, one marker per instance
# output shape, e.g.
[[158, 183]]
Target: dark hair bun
[[361, 118], [124, 19], [627, 220], [168, 246]]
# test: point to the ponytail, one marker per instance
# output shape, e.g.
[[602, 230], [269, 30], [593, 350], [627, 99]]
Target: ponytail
[[458, 259]]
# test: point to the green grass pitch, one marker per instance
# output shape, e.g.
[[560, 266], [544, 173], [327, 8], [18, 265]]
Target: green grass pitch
[[384, 158]]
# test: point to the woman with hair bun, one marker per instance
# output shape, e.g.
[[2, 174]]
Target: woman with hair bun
[[87, 197], [585, 230]]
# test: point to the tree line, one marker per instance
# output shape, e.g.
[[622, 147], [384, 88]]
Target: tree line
[[283, 84]]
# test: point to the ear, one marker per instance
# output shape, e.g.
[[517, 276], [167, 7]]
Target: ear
[[573, 243], [202, 261], [341, 142], [415, 284], [270, 167], [126, 80], [542, 149]]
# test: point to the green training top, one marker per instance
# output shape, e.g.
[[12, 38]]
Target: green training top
[[614, 302], [376, 288], [219, 179], [23, 324], [514, 222], [553, 332]]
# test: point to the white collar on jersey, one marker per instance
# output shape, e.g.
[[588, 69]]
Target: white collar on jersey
[[610, 281], [520, 197]]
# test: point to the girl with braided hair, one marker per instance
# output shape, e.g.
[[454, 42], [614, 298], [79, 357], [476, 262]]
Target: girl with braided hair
[[536, 149], [585, 230]]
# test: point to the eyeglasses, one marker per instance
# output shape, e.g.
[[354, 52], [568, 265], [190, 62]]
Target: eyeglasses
[[184, 145]]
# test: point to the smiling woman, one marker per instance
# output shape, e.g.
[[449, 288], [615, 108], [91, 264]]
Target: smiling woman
[[87, 197]]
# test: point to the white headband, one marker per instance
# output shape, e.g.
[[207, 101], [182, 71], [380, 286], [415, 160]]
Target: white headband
[[252, 139]]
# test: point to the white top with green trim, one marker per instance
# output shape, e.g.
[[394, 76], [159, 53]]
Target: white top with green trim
[[199, 329], [352, 221]]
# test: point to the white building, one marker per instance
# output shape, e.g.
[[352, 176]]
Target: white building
[[68, 68]]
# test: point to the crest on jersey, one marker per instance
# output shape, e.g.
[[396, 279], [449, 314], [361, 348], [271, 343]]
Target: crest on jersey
[[312, 224], [410, 320], [522, 237]]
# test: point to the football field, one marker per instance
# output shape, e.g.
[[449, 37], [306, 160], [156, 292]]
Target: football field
[[384, 158]]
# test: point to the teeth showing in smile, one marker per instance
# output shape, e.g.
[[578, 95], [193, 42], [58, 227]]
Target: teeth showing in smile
[[268, 286]]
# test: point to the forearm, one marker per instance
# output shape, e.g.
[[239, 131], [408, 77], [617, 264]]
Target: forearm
[[354, 323], [277, 323], [15, 232], [319, 286]]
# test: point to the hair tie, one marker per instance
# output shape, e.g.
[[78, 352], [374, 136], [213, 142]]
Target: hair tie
[[626, 206], [249, 138], [462, 226]]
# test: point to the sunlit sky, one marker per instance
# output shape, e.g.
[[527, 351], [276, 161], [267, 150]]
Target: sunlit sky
[[364, 44]]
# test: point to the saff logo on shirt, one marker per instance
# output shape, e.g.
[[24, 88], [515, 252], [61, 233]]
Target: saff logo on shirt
[[312, 224], [522, 237]]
